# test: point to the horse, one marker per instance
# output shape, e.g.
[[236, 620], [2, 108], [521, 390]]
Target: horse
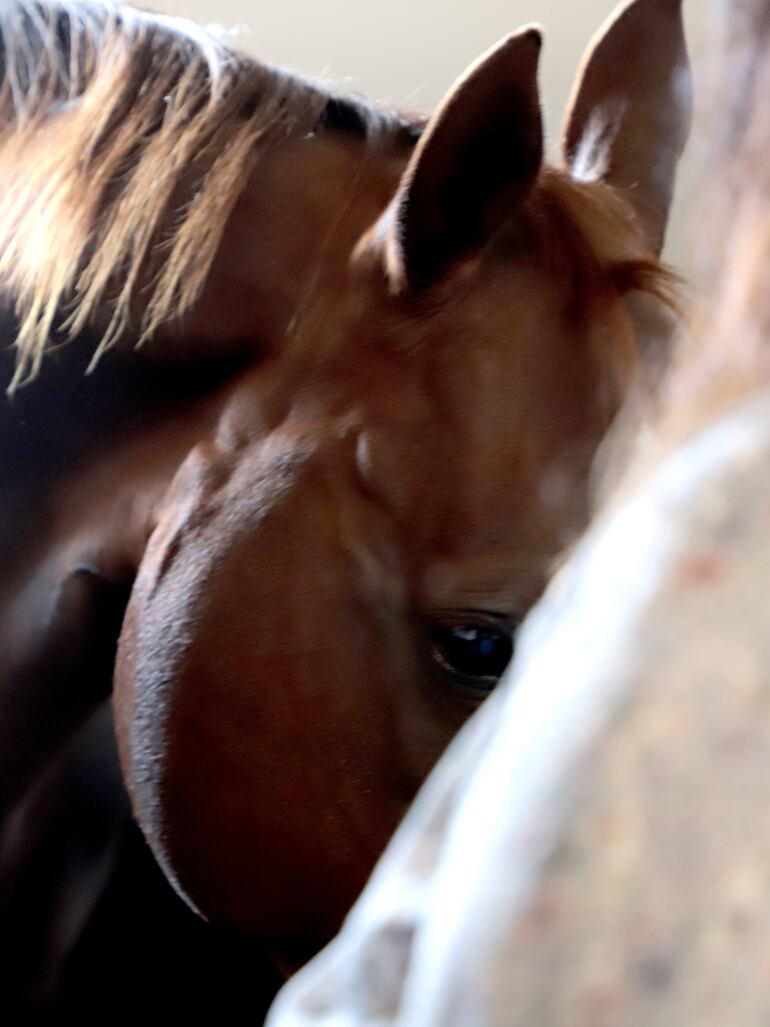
[[348, 373], [594, 850]]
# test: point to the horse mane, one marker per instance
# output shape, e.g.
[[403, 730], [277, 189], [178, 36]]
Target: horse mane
[[125, 140]]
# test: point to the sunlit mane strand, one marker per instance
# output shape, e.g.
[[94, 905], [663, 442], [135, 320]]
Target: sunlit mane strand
[[125, 141]]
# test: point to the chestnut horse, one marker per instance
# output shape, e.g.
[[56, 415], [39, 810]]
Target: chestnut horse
[[361, 365], [593, 849]]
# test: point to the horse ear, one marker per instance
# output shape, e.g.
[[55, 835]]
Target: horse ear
[[630, 114], [475, 163]]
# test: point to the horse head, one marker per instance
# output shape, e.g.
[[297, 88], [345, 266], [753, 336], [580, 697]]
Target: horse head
[[336, 574]]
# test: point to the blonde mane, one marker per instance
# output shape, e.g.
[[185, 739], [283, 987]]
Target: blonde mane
[[125, 140]]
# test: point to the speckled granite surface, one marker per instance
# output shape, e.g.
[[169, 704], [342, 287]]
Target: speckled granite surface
[[594, 850]]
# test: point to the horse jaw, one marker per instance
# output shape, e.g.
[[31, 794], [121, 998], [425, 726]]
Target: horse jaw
[[267, 773]]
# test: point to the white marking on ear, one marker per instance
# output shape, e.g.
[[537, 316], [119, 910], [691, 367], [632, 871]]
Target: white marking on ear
[[591, 162], [630, 114]]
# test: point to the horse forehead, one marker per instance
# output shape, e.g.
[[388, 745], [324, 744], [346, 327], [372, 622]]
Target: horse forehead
[[477, 397], [502, 379]]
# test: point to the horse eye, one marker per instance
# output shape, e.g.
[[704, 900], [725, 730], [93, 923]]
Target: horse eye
[[473, 650]]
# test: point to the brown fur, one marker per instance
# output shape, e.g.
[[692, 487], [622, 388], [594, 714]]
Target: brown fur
[[430, 354]]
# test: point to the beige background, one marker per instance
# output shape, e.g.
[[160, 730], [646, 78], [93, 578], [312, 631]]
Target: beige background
[[408, 52]]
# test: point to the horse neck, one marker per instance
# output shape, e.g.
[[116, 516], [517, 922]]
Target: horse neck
[[306, 203], [55, 431], [290, 236]]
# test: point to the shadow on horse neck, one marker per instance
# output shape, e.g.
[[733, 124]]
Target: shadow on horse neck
[[376, 359]]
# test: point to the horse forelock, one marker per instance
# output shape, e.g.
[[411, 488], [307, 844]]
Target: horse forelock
[[593, 225], [125, 141], [595, 241]]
